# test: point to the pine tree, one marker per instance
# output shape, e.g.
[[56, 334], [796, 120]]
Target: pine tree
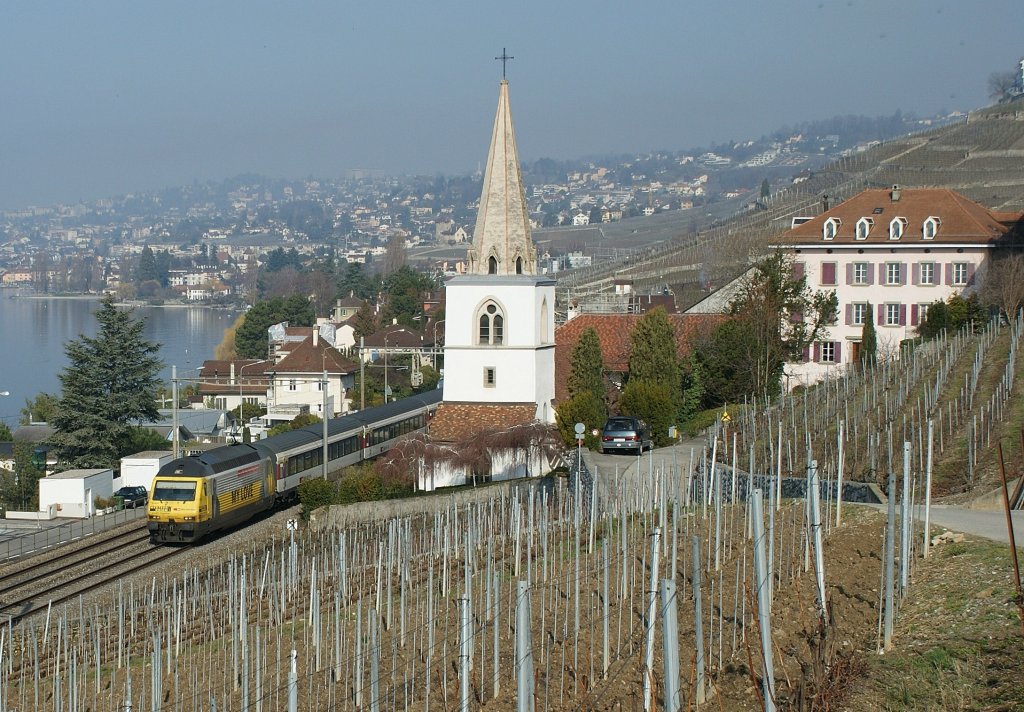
[[109, 385], [586, 372], [868, 338], [653, 351]]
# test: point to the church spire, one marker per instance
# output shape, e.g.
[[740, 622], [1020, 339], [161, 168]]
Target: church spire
[[501, 241]]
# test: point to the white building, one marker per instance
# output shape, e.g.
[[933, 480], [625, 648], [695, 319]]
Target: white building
[[499, 321], [73, 493], [894, 251], [138, 470]]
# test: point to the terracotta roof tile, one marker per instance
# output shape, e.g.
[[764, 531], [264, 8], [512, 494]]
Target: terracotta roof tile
[[455, 421], [614, 331], [306, 358], [249, 376], [962, 220]]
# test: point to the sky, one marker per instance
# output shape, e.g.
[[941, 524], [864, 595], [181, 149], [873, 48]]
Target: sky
[[107, 97]]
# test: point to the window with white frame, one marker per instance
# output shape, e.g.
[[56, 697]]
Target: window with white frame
[[293, 385], [860, 272], [859, 314], [892, 273], [922, 312], [892, 314], [896, 228], [827, 351], [930, 227], [959, 274], [927, 276], [864, 227], [831, 228]]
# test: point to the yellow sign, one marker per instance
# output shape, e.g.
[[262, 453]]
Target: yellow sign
[[725, 416]]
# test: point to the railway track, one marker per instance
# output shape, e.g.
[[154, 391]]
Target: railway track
[[39, 570], [56, 584]]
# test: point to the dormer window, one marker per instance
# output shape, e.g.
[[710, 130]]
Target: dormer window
[[897, 227], [831, 228], [931, 227], [864, 226]]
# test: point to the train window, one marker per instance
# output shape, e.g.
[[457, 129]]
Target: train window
[[168, 491]]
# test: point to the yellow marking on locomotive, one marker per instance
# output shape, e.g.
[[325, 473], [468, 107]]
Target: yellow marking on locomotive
[[240, 496], [165, 510]]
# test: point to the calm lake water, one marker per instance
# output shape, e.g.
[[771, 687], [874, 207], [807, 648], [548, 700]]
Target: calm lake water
[[33, 333]]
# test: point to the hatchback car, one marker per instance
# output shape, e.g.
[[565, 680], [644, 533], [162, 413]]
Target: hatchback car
[[625, 433], [132, 497]]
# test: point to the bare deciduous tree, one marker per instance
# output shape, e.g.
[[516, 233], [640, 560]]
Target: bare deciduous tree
[[1000, 85], [1003, 284]]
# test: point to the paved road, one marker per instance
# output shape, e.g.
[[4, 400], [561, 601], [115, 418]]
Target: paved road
[[989, 524], [986, 524]]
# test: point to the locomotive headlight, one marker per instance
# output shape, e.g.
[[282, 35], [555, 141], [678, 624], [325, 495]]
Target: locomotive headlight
[[188, 519]]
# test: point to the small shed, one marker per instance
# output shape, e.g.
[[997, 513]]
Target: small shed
[[140, 469], [73, 493]]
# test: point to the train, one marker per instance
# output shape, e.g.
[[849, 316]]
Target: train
[[194, 496]]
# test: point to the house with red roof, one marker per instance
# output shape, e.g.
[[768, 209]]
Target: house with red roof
[[894, 251]]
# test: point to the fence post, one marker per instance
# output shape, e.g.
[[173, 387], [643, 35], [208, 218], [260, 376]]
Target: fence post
[[651, 610], [524, 649], [763, 604], [698, 618], [464, 653], [890, 555], [670, 644], [819, 552], [293, 684], [905, 522]]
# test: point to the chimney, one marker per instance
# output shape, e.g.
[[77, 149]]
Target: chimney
[[824, 203], [316, 335], [895, 194]]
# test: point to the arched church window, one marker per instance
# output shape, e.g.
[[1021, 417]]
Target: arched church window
[[544, 336], [492, 265], [491, 325], [519, 265]]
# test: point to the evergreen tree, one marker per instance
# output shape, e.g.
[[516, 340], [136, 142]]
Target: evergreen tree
[[766, 189], [365, 321], [6, 435], [868, 338], [586, 372], [40, 409], [251, 334], [109, 385], [146, 270], [19, 487], [652, 354], [580, 408], [653, 403]]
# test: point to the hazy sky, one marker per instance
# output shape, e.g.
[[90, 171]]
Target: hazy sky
[[104, 97]]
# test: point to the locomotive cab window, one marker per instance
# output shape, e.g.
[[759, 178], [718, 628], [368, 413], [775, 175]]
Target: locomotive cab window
[[168, 491]]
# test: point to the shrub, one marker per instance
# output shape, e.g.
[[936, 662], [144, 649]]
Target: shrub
[[653, 403], [316, 493]]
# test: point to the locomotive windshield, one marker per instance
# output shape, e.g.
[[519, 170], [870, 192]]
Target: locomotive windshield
[[174, 491]]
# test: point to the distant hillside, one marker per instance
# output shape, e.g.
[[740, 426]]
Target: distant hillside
[[981, 157]]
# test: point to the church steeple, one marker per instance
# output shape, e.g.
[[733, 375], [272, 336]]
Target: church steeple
[[501, 241]]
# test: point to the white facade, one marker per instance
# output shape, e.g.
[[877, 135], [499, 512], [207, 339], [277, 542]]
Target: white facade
[[290, 394], [898, 284], [898, 250], [73, 493], [504, 356], [138, 470]]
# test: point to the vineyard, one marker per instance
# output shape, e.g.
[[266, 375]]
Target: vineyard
[[675, 583]]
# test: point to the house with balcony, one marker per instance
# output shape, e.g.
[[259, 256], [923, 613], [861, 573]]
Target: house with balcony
[[298, 381], [894, 251]]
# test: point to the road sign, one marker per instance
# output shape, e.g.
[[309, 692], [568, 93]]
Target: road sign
[[293, 524]]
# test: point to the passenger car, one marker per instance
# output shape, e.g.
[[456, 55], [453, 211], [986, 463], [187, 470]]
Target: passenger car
[[132, 496], [622, 432]]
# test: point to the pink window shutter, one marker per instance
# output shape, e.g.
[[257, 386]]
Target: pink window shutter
[[798, 270], [903, 314], [817, 351], [871, 274], [970, 274], [913, 314], [949, 273], [881, 315], [849, 273], [916, 276], [903, 273], [839, 352], [849, 314]]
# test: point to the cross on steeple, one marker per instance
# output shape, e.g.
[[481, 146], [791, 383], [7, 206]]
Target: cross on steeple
[[504, 61]]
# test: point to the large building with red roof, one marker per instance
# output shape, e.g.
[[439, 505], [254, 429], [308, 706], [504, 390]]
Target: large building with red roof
[[894, 251]]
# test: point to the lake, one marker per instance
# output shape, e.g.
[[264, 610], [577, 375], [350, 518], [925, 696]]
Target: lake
[[33, 332]]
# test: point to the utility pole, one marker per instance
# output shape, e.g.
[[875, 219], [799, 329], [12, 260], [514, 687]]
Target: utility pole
[[325, 416], [362, 375]]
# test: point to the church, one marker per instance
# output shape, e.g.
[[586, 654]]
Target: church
[[499, 351]]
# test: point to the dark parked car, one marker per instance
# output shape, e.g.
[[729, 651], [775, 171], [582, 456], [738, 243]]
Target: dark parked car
[[132, 496], [625, 433]]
